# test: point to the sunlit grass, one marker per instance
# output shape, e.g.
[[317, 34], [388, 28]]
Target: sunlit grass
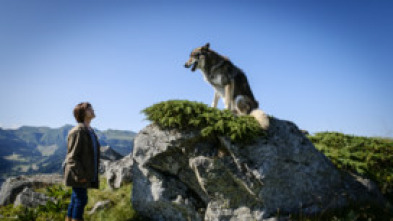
[[120, 208], [367, 156]]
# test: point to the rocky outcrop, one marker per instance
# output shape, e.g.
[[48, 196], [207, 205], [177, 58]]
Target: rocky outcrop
[[119, 172], [15, 185], [103, 166], [179, 175], [29, 198], [107, 153]]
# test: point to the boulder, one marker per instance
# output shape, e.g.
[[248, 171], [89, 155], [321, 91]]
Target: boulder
[[107, 153], [180, 175], [15, 185], [29, 198], [119, 172], [103, 166]]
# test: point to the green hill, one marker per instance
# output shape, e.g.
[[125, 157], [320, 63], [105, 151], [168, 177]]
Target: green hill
[[367, 156]]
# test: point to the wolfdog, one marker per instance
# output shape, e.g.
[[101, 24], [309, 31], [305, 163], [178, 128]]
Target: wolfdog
[[229, 82]]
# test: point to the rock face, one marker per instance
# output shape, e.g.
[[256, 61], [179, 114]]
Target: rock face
[[107, 153], [29, 198], [119, 172], [13, 186], [178, 175]]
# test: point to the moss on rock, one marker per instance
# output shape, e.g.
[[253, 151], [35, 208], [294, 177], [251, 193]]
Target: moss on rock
[[183, 114]]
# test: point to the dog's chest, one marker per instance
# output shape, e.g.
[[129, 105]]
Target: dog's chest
[[217, 81]]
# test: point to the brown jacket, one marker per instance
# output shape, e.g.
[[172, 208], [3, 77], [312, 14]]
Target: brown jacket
[[79, 162]]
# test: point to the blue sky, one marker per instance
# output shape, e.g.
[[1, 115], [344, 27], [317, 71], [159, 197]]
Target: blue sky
[[325, 65]]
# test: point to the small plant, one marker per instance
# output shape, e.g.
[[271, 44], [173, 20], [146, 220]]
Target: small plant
[[58, 191], [28, 214], [182, 114]]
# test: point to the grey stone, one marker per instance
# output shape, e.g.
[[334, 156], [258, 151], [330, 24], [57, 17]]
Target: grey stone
[[103, 166], [119, 172], [15, 185], [29, 198], [99, 206], [107, 153], [179, 175]]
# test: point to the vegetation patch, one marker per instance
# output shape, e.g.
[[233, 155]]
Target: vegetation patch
[[370, 157], [47, 150], [183, 114], [121, 209], [50, 211]]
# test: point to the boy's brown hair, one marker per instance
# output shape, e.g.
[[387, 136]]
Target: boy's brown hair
[[80, 111]]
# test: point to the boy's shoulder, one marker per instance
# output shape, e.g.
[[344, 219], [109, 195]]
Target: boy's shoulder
[[77, 129]]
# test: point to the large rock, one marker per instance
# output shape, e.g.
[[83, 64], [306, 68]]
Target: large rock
[[179, 175], [15, 185], [119, 172], [29, 198]]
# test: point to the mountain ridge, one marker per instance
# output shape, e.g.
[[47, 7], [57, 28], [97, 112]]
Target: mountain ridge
[[30, 150]]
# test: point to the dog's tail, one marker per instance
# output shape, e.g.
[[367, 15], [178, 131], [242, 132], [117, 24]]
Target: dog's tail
[[261, 117]]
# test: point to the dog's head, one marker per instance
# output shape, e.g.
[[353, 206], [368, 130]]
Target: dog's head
[[197, 57]]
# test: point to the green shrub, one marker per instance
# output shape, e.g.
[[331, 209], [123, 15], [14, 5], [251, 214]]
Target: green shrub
[[28, 214], [183, 114], [371, 157]]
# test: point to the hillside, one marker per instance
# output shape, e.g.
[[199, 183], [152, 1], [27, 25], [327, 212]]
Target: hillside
[[356, 159], [121, 209], [30, 150], [367, 156]]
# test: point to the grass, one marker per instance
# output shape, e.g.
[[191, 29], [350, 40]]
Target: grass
[[121, 207], [367, 156], [370, 157], [15, 157], [119, 210], [47, 150], [183, 114]]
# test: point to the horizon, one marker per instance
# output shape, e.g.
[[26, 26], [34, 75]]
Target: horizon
[[66, 125], [136, 132], [326, 65]]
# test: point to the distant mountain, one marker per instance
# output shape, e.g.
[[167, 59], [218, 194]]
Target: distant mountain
[[30, 150], [121, 141]]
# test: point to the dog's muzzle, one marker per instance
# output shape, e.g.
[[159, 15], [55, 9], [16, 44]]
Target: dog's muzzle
[[194, 65]]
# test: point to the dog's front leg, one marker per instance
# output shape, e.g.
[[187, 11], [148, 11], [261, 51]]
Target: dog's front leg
[[228, 96], [215, 99]]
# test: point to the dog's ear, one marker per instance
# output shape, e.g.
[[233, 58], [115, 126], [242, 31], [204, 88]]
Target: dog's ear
[[206, 47]]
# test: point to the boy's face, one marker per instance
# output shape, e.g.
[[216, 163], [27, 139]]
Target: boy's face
[[90, 113]]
